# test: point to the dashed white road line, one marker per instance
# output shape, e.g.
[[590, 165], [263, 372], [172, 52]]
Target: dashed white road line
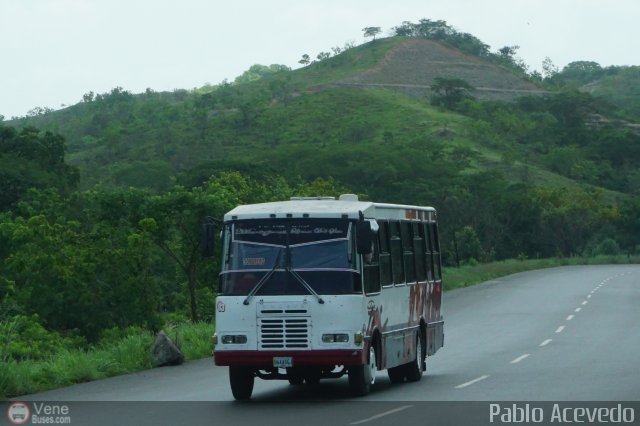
[[585, 302], [469, 383], [559, 330], [588, 296], [520, 358], [377, 416], [577, 310], [546, 342], [570, 317]]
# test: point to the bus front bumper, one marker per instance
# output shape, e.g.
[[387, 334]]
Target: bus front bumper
[[311, 357]]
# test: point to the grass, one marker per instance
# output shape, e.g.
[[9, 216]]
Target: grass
[[126, 355], [194, 340], [473, 274]]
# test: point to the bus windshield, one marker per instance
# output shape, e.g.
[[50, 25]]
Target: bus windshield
[[318, 250]]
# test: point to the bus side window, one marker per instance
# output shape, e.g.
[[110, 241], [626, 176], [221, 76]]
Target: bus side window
[[396, 252], [386, 276], [436, 250], [407, 251], [419, 251], [429, 253], [372, 271]]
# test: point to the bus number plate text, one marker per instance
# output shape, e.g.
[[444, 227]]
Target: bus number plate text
[[282, 361]]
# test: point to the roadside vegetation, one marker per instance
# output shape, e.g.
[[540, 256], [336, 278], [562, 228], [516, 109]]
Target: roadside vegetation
[[35, 360], [476, 273]]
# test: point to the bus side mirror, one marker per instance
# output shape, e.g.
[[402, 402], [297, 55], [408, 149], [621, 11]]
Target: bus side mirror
[[364, 237], [207, 239]]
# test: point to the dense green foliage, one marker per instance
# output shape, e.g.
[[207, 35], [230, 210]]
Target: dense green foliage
[[118, 258], [557, 133], [32, 159], [445, 33]]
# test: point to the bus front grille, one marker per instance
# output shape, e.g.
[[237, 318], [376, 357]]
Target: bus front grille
[[284, 333]]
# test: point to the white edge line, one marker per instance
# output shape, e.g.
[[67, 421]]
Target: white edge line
[[546, 342], [559, 330], [386, 413], [469, 383], [520, 358]]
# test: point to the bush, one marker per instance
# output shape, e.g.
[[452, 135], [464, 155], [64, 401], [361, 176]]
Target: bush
[[608, 247], [111, 357], [23, 337]]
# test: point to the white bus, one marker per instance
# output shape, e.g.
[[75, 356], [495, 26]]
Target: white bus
[[316, 288]]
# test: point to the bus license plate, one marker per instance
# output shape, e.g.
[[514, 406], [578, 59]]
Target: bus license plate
[[282, 361]]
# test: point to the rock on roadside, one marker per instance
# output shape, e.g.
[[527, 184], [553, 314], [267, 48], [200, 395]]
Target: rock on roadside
[[165, 352]]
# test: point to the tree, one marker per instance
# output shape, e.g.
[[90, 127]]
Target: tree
[[323, 55], [38, 111], [468, 247], [549, 69], [629, 225], [88, 97], [508, 52], [571, 218], [448, 92], [578, 73], [305, 60], [32, 159], [258, 71], [371, 31]]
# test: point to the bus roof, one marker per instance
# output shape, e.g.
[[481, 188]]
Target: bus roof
[[324, 207]]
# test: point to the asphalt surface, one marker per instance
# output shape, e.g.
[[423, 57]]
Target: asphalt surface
[[565, 335]]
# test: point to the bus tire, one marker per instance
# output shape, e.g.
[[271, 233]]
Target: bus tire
[[313, 376], [296, 380], [415, 368], [362, 377], [396, 374], [295, 377], [241, 380]]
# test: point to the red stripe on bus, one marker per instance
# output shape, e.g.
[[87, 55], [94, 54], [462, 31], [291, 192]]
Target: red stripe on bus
[[312, 357]]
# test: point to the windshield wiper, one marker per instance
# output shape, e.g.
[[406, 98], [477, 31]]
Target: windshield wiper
[[306, 285], [262, 280]]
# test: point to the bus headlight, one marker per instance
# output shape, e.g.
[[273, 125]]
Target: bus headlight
[[230, 339], [335, 338], [358, 338]]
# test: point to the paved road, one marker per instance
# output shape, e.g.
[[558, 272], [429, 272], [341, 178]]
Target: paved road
[[561, 334]]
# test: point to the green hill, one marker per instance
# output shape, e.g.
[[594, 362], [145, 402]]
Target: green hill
[[143, 140], [366, 117]]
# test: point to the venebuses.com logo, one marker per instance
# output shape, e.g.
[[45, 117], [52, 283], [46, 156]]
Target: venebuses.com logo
[[18, 413]]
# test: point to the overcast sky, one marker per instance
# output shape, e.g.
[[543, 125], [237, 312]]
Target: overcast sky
[[54, 51]]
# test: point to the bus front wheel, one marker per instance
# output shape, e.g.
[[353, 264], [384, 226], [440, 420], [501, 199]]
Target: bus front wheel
[[241, 380]]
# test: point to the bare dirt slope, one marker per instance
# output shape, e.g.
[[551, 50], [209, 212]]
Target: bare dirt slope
[[412, 66]]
